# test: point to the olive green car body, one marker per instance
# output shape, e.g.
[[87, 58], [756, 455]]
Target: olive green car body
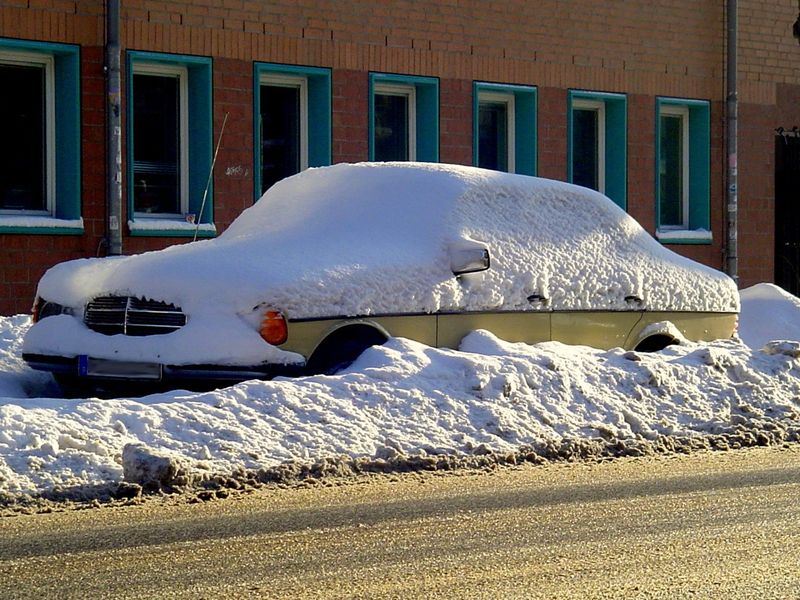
[[600, 329]]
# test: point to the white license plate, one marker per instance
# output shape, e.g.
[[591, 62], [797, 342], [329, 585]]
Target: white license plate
[[99, 367]]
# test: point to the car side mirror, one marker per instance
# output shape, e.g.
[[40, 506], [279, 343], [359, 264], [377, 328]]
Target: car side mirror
[[468, 256]]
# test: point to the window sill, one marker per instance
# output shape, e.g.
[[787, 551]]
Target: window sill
[[684, 236], [40, 225], [170, 228]]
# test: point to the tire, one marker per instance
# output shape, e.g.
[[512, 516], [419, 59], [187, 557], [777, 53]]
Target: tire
[[73, 387], [342, 348]]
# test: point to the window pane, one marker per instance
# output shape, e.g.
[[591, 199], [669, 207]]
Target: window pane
[[280, 133], [585, 148], [156, 144], [493, 135], [22, 162], [671, 171], [391, 127]]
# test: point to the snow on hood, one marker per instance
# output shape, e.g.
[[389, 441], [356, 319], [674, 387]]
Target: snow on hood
[[373, 238]]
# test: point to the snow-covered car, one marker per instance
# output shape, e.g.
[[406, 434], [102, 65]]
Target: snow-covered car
[[337, 259]]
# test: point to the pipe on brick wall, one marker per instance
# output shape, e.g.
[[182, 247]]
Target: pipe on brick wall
[[113, 131], [731, 143]]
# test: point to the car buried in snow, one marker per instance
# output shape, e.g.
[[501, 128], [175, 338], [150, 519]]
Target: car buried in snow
[[336, 259]]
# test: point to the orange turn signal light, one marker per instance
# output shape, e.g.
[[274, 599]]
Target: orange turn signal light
[[273, 328]]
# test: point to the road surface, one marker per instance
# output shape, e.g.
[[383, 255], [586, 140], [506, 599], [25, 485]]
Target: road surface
[[721, 525]]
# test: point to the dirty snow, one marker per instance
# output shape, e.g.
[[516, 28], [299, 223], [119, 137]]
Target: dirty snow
[[374, 238], [401, 399]]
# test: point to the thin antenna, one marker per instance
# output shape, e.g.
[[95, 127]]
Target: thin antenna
[[208, 183]]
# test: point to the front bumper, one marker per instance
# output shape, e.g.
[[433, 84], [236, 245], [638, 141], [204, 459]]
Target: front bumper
[[75, 368]]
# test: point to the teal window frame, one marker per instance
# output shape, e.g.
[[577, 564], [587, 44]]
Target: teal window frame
[[525, 123], [699, 166], [318, 131], [67, 133], [200, 142], [615, 154], [426, 112]]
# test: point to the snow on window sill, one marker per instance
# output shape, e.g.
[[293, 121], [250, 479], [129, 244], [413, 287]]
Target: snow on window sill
[[171, 227], [40, 224], [684, 236]]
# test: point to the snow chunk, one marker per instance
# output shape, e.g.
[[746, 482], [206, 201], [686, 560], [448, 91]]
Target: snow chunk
[[150, 468], [785, 348]]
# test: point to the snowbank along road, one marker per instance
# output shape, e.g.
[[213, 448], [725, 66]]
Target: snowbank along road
[[708, 525], [406, 404]]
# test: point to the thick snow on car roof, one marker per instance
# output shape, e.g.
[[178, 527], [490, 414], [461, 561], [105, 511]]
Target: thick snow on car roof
[[373, 238]]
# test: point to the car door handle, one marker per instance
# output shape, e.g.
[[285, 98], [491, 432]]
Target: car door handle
[[537, 298]]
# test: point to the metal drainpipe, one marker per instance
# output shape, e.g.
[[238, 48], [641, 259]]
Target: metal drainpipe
[[113, 131], [731, 141]]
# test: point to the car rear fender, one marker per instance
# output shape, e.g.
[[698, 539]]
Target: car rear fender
[[654, 336], [659, 329]]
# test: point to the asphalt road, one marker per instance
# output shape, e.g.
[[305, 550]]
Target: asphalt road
[[717, 525]]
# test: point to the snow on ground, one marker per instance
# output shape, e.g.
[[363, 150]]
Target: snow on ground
[[407, 398]]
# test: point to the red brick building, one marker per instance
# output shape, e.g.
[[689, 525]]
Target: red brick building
[[628, 97]]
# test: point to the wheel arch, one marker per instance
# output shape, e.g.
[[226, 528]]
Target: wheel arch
[[653, 337], [352, 329], [367, 332]]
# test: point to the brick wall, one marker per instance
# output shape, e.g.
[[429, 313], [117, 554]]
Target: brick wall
[[455, 105], [637, 47], [349, 118], [552, 142]]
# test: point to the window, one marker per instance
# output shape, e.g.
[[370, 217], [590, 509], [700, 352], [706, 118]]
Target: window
[[292, 121], [597, 147], [682, 171], [496, 131], [40, 171], [504, 130], [395, 112], [26, 181], [169, 145], [404, 118], [673, 168], [284, 150], [588, 144], [160, 141]]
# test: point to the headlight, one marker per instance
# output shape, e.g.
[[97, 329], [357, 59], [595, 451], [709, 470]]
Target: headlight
[[44, 308]]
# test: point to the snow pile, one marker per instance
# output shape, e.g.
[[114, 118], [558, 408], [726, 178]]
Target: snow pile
[[374, 238], [768, 313], [17, 380], [401, 399]]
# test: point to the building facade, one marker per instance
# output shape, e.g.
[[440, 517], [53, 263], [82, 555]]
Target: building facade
[[627, 97]]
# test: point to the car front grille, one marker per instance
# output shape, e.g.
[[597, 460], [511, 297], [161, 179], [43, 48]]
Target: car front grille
[[112, 315]]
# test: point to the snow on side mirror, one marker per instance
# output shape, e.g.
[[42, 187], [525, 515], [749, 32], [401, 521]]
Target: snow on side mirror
[[468, 256]]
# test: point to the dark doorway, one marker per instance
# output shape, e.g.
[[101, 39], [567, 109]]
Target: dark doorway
[[787, 213]]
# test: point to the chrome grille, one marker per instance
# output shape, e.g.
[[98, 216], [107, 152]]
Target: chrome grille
[[112, 315]]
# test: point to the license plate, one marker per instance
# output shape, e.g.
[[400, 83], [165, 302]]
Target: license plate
[[99, 367]]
